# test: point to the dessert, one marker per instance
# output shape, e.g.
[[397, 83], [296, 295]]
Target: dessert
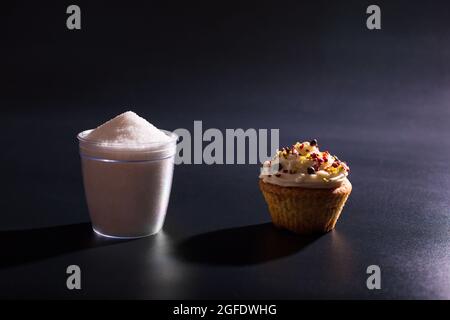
[[127, 166], [305, 189]]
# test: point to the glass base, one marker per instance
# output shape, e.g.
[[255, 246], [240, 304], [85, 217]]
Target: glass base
[[120, 237]]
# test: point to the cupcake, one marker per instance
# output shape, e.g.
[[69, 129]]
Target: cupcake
[[305, 189]]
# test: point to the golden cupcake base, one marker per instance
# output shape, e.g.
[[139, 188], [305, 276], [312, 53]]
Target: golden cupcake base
[[303, 210]]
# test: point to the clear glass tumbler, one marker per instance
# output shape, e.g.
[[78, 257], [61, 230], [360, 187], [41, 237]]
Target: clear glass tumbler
[[127, 189]]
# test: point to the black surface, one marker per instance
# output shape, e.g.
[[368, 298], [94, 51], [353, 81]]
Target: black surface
[[378, 99]]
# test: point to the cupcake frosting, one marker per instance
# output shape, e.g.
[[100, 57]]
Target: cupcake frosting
[[304, 165]]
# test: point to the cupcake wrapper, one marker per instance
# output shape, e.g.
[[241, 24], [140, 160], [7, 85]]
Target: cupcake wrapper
[[305, 211]]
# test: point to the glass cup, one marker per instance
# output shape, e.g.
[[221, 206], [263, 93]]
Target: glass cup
[[127, 188]]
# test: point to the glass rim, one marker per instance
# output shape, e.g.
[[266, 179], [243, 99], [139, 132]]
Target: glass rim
[[81, 138]]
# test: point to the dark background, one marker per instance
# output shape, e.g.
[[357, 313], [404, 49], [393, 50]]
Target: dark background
[[379, 99]]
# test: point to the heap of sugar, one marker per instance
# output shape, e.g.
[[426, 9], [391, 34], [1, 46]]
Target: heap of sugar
[[127, 129]]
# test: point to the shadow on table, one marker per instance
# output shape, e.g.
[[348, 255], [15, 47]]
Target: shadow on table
[[24, 246], [247, 245]]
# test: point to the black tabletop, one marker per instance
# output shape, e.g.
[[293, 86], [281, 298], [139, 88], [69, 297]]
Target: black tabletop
[[379, 99]]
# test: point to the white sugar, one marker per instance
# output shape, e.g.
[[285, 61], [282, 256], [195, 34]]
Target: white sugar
[[127, 129]]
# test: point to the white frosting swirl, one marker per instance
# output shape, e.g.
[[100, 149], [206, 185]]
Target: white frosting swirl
[[303, 165]]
